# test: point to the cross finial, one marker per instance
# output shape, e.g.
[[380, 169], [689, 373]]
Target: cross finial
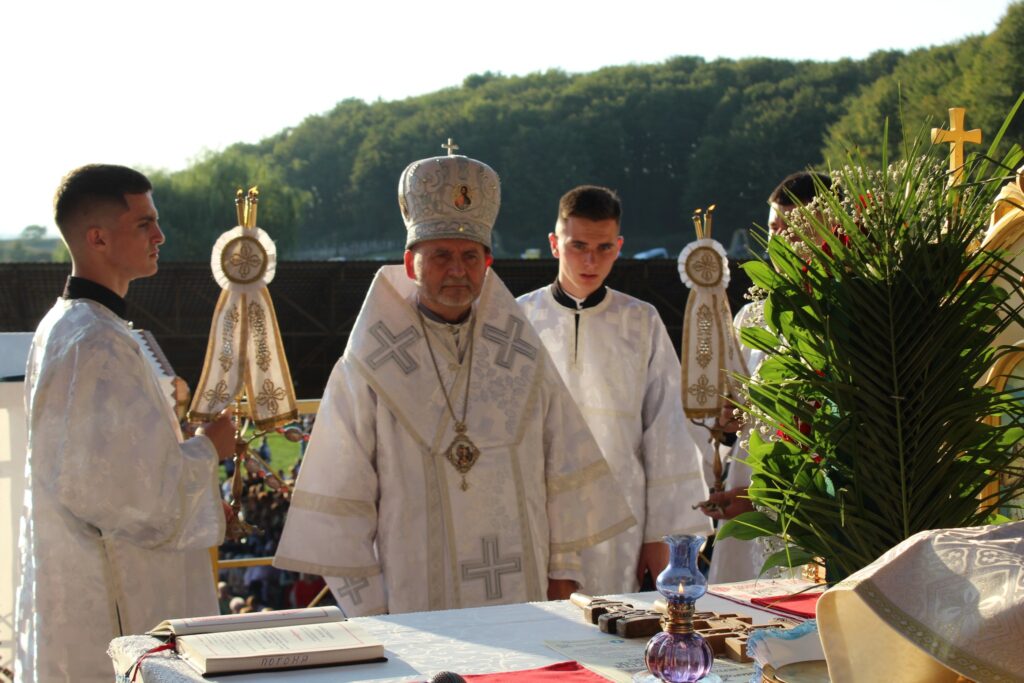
[[956, 136], [450, 146]]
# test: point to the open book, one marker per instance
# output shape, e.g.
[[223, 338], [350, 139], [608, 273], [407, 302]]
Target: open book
[[280, 647], [261, 641]]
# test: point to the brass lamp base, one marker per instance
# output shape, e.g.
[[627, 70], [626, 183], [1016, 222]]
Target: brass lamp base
[[798, 672]]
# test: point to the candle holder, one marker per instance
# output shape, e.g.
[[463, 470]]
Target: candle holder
[[678, 654]]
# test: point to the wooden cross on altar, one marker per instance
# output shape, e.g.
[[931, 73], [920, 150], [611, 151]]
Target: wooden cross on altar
[[450, 146], [957, 137]]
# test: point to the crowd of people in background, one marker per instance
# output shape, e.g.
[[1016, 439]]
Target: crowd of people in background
[[263, 587]]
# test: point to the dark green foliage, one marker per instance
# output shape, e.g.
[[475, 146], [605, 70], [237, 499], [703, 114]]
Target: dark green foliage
[[985, 74], [880, 320], [33, 245], [669, 137], [197, 205]]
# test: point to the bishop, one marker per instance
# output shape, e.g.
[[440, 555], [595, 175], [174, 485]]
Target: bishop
[[449, 467]]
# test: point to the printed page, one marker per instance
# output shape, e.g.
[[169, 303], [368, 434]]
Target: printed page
[[764, 588], [262, 641], [743, 592]]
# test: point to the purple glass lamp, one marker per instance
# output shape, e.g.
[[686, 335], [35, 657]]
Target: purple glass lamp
[[679, 654]]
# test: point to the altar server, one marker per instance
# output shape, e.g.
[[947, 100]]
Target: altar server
[[119, 511], [614, 353], [735, 559], [449, 467]]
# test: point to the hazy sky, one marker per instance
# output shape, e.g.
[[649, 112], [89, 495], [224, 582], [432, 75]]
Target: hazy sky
[[156, 84]]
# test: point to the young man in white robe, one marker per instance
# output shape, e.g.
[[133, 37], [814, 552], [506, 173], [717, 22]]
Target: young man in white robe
[[449, 467], [734, 559], [614, 353], [119, 512]]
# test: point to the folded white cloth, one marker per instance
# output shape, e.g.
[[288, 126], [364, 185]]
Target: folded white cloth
[[779, 647], [941, 603]]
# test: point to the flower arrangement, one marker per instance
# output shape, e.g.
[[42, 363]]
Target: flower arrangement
[[872, 418]]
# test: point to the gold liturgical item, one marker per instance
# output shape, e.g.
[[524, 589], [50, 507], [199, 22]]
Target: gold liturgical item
[[245, 355], [799, 672], [245, 352], [710, 353], [957, 137], [462, 453]]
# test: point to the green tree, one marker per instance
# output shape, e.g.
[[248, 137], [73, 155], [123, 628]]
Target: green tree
[[197, 205], [60, 253], [670, 137], [995, 76], [913, 98], [33, 232]]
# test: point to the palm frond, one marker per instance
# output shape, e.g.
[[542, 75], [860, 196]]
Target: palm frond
[[880, 324]]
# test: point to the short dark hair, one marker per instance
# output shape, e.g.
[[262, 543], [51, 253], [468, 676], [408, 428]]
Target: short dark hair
[[799, 186], [592, 202], [93, 184]]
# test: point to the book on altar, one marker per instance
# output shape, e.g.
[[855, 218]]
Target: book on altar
[[279, 647], [242, 622], [797, 597], [261, 641]]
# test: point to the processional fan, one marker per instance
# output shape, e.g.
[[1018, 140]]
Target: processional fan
[[245, 357], [710, 354]]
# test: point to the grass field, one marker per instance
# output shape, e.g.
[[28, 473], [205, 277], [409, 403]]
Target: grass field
[[283, 454]]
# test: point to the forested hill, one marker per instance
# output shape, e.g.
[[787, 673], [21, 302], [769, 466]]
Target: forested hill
[[669, 137]]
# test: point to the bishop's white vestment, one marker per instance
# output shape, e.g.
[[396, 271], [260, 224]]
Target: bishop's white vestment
[[118, 513], [621, 368], [381, 513]]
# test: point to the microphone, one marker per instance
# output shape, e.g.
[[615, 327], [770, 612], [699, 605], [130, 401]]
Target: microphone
[[447, 677]]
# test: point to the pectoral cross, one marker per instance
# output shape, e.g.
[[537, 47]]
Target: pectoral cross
[[957, 137]]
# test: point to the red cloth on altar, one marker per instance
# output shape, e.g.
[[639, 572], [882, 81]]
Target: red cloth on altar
[[801, 604], [563, 671]]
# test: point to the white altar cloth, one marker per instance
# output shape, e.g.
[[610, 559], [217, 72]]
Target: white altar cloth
[[420, 644]]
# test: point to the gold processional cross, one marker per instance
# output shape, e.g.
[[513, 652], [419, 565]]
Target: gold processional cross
[[957, 137]]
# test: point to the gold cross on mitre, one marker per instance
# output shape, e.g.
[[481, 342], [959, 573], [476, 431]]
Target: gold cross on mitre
[[450, 146], [957, 137]]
